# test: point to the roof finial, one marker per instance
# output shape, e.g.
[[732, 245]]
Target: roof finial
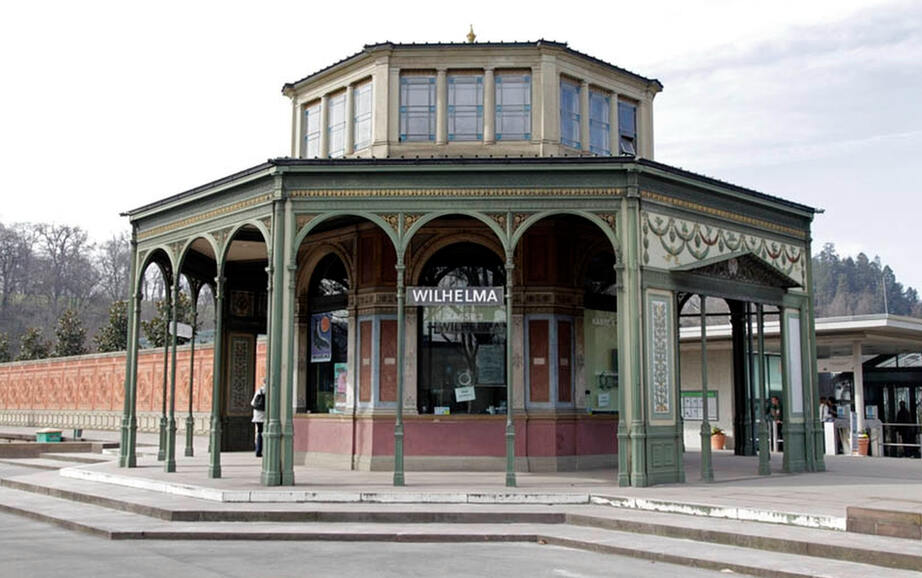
[[471, 37]]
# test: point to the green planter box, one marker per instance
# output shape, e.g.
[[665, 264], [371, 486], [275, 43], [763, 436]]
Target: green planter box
[[48, 435]]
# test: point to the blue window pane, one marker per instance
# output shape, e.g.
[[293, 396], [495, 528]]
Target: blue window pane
[[513, 107]]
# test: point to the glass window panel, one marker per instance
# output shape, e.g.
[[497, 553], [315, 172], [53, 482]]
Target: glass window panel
[[465, 107], [362, 99], [336, 125], [312, 131], [417, 108], [627, 128], [569, 114], [513, 107], [599, 126]]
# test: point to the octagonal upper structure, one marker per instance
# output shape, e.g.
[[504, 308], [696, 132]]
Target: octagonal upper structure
[[533, 99]]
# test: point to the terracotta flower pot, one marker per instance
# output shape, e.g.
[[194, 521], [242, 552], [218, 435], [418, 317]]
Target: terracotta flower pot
[[863, 443], [718, 441]]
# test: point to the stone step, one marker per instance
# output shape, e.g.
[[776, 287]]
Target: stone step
[[80, 458], [117, 525], [832, 545], [42, 463]]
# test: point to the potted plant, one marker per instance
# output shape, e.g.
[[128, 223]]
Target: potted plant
[[864, 442], [718, 438]]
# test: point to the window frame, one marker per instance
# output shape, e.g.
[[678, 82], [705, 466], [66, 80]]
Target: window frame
[[627, 140], [336, 103], [312, 111], [408, 111], [524, 110], [363, 121], [600, 127], [469, 78], [570, 119]]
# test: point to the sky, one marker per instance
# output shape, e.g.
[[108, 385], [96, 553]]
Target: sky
[[107, 106]]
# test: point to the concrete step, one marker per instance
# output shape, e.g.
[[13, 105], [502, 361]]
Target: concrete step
[[123, 526], [832, 545], [80, 458], [42, 463]]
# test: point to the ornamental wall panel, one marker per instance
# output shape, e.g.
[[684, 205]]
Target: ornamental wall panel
[[669, 242]]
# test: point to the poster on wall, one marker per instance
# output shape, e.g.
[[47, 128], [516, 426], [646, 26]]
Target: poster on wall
[[693, 409], [321, 337], [340, 382]]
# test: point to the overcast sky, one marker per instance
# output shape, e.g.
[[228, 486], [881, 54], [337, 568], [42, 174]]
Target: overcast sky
[[107, 106]]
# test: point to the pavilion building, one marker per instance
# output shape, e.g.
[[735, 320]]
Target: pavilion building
[[471, 260]]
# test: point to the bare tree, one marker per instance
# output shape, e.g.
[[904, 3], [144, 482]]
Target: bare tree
[[70, 278], [16, 256], [112, 263]]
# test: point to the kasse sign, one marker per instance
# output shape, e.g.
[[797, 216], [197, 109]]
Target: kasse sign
[[482, 296]]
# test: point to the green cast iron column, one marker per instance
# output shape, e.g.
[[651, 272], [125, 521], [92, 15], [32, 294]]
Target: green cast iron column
[[707, 469], [194, 287], [272, 455], [764, 465], [288, 429], [636, 341], [134, 329], [815, 435], [126, 412], [401, 349], [161, 448], [214, 466], [510, 424], [170, 463]]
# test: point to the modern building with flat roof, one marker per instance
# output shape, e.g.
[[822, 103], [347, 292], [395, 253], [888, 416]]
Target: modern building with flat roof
[[471, 260]]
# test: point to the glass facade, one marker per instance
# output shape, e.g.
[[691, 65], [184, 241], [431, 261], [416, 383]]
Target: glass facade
[[513, 107], [462, 348], [417, 108], [465, 107], [569, 113], [336, 125], [362, 106], [627, 128], [312, 131], [599, 123]]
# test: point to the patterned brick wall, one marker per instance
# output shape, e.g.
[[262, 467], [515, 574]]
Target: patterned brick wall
[[89, 390]]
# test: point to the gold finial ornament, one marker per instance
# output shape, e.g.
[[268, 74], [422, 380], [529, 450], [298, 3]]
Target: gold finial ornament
[[471, 37]]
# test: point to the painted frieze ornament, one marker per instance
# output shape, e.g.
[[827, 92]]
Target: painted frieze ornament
[[303, 219], [409, 221], [500, 219], [611, 219], [669, 242], [268, 223], [518, 219], [393, 221], [221, 236]]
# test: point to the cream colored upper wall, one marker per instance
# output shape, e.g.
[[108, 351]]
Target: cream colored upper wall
[[546, 64]]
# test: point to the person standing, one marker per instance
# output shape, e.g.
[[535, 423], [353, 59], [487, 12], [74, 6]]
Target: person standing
[[259, 416]]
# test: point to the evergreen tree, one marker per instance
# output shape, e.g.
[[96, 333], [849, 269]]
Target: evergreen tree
[[154, 329], [71, 335], [4, 348], [114, 335], [32, 345]]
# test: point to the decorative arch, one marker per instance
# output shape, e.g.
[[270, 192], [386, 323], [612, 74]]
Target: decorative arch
[[259, 225], [378, 220], [415, 268], [606, 227], [429, 217], [317, 254], [184, 252], [149, 258]]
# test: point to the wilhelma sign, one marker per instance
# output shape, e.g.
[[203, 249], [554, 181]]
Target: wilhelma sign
[[482, 296]]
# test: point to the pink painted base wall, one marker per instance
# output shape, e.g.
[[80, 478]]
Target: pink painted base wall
[[542, 437]]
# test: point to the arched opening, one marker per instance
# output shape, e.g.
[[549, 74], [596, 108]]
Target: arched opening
[[244, 324], [462, 346], [327, 302]]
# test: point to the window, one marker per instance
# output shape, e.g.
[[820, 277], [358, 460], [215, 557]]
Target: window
[[462, 349], [336, 125], [417, 108], [312, 131], [627, 128], [513, 107], [465, 107], [362, 99], [569, 113], [328, 295], [599, 125]]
